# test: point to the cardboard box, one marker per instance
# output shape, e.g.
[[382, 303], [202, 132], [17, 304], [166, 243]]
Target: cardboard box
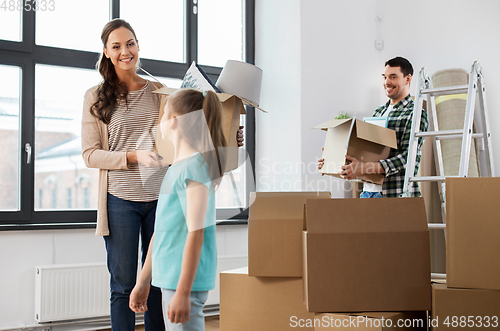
[[364, 141], [232, 107], [260, 303], [415, 320], [275, 224], [473, 308], [366, 255], [473, 233]]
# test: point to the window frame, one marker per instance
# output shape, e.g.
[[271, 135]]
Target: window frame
[[26, 54]]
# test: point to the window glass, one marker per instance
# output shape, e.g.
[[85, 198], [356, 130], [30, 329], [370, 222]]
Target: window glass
[[72, 24], [10, 21], [159, 27], [10, 108], [220, 31], [62, 181], [169, 82]]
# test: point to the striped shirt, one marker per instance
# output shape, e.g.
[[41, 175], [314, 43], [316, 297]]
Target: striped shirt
[[133, 127]]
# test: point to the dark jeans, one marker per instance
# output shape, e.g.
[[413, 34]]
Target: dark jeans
[[127, 220]]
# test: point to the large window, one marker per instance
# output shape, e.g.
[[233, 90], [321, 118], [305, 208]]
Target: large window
[[47, 62]]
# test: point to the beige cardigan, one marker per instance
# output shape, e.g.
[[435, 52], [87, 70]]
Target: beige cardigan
[[96, 154]]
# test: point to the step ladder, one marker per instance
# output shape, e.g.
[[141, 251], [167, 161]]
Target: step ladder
[[476, 87]]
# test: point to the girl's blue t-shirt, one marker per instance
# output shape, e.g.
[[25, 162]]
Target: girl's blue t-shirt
[[171, 228]]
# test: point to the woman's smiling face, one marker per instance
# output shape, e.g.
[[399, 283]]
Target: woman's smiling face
[[122, 49]]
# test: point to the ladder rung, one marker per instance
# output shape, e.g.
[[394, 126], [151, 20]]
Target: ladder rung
[[446, 134], [438, 276], [430, 178], [436, 226], [458, 136], [439, 133], [446, 90]]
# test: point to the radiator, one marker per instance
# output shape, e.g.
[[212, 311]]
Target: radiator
[[68, 292], [224, 263], [81, 291]]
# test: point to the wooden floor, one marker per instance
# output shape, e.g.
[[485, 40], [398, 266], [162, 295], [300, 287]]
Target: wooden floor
[[211, 324]]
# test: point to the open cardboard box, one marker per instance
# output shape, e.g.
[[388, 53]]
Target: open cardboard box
[[366, 255], [275, 226], [364, 141], [232, 107]]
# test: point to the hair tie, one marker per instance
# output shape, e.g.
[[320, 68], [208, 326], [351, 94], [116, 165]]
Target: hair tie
[[204, 93]]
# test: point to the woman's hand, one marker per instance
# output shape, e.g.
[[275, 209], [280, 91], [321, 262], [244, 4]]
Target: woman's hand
[[139, 297], [179, 307], [239, 136], [146, 158]]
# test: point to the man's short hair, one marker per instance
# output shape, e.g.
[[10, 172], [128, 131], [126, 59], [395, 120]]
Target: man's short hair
[[404, 64]]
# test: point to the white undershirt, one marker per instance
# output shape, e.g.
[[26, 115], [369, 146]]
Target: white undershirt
[[370, 187]]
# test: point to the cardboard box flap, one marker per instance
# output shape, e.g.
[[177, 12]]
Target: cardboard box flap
[[280, 205], [331, 124], [223, 97], [365, 215], [376, 134]]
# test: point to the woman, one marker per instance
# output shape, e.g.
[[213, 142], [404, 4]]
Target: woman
[[119, 121]]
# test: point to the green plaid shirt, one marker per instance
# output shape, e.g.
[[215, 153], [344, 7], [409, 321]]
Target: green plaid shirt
[[400, 121]]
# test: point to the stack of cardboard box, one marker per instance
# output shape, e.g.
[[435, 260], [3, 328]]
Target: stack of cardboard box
[[355, 256], [268, 294], [471, 296], [367, 255]]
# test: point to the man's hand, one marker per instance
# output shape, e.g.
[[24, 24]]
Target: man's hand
[[353, 169], [321, 162]]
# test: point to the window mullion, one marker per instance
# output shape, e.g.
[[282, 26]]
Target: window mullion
[[191, 29], [114, 8], [27, 137], [249, 46]]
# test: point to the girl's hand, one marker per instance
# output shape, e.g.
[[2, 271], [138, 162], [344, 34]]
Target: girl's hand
[[139, 297], [179, 308]]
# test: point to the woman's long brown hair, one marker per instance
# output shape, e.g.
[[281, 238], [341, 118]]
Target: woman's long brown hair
[[110, 91], [187, 100]]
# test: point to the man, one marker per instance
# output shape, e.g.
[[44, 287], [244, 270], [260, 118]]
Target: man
[[399, 110]]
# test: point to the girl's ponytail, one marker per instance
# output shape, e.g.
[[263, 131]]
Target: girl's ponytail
[[185, 101], [212, 108]]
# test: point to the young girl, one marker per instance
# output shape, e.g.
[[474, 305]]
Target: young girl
[[182, 258]]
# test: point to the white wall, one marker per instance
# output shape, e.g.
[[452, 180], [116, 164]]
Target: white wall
[[277, 53], [340, 69], [22, 251]]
